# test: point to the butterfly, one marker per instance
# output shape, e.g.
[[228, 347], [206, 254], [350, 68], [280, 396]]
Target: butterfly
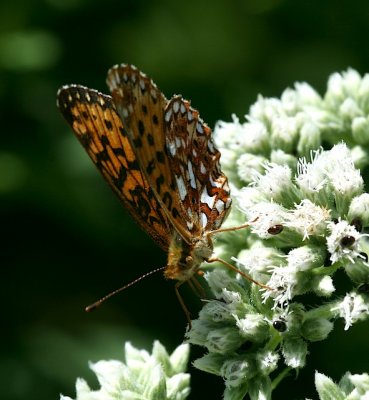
[[159, 157]]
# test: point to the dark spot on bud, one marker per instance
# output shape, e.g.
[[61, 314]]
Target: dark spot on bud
[[155, 119], [245, 346], [327, 261], [356, 222], [275, 229], [279, 325], [347, 241], [363, 256], [363, 288]]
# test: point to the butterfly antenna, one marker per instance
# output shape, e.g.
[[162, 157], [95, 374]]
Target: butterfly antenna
[[114, 292]]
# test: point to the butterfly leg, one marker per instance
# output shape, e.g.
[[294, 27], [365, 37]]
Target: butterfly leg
[[182, 303], [231, 229], [233, 268], [196, 287]]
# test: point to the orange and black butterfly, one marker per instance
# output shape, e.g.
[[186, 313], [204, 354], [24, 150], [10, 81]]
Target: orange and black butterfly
[[159, 157]]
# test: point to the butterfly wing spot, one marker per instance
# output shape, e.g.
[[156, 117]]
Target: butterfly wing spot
[[176, 107], [141, 127], [206, 199], [150, 139], [204, 220], [172, 148], [219, 205], [199, 128], [168, 115], [192, 178], [142, 85], [183, 108], [181, 187]]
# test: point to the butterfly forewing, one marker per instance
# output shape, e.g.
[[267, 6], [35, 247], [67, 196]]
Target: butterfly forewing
[[94, 120], [141, 106]]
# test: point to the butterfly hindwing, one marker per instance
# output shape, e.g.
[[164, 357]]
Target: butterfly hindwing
[[194, 160]]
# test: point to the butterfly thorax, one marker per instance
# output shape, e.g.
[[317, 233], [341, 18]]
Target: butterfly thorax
[[184, 259]]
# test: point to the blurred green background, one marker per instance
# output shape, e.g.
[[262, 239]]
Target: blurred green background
[[66, 240]]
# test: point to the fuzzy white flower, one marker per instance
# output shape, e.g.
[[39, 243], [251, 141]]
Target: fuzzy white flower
[[259, 259], [308, 219], [255, 136], [343, 241], [325, 286], [281, 284], [352, 309], [228, 133], [265, 215], [275, 181], [311, 177]]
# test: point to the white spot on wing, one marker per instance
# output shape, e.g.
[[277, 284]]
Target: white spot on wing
[[142, 84], [168, 115], [204, 220], [214, 183], [205, 198], [178, 142], [189, 225], [125, 112], [189, 116], [189, 212], [191, 174], [211, 146], [183, 108], [219, 205], [176, 107], [199, 128], [88, 98], [202, 168], [172, 148], [181, 187], [153, 94]]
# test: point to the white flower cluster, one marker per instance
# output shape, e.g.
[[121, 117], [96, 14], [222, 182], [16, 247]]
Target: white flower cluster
[[143, 376], [307, 212], [350, 387]]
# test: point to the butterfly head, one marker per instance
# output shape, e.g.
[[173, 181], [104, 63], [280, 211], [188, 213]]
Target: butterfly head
[[184, 259]]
